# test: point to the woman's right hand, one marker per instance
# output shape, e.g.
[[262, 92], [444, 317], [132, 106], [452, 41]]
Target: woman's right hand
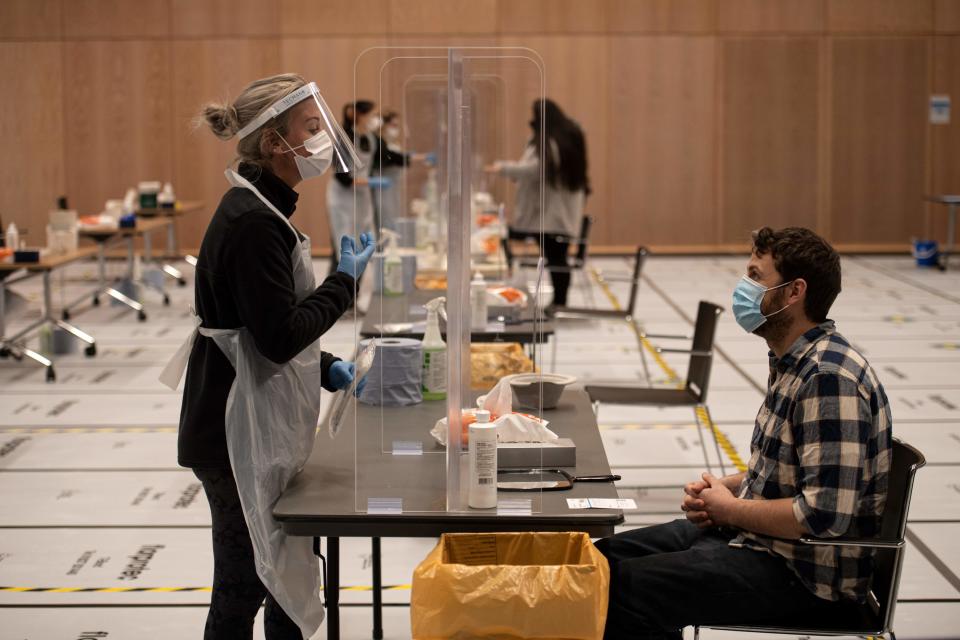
[[353, 259]]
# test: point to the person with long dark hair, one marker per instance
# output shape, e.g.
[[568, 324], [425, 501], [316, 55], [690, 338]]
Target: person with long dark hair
[[559, 143]]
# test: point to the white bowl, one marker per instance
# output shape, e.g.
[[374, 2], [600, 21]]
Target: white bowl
[[532, 389]]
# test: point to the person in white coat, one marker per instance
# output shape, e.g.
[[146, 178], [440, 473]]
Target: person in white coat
[[349, 198], [560, 143]]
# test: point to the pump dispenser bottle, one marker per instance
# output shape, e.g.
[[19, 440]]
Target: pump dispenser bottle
[[482, 438]]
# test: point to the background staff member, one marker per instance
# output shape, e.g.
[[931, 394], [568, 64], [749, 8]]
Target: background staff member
[[564, 192], [255, 371]]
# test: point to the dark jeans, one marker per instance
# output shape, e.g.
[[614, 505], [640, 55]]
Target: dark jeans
[[555, 247], [237, 590], [669, 576]]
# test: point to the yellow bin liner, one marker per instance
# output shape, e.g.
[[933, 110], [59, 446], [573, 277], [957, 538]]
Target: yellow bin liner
[[511, 585]]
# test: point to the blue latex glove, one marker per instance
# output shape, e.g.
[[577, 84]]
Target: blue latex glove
[[341, 375], [431, 159], [380, 182], [352, 260]]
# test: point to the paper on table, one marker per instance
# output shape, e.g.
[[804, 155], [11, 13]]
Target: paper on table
[[601, 503]]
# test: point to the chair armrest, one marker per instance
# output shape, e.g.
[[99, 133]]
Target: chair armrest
[[666, 336], [870, 543], [692, 352]]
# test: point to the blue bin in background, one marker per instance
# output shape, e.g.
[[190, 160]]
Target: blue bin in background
[[925, 252]]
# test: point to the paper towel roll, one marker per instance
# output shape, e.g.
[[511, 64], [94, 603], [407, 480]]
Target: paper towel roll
[[394, 378]]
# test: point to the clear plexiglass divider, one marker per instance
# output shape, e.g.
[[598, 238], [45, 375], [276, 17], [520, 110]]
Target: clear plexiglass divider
[[447, 319]]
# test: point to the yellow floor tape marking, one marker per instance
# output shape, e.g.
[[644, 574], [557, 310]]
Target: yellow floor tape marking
[[672, 376], [394, 587]]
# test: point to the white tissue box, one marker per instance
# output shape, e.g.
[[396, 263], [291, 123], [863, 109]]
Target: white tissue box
[[532, 455]]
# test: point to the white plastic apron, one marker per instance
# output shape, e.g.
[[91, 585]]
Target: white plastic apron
[[340, 202], [271, 421]]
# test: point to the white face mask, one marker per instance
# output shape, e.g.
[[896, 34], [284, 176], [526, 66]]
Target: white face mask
[[392, 133], [374, 123], [316, 164]]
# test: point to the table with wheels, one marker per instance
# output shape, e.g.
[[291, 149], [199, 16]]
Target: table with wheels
[[323, 499], [951, 201], [15, 345], [104, 236], [172, 250]]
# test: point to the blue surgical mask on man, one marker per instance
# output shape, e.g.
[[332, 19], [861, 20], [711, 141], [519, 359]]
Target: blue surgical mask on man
[[747, 298]]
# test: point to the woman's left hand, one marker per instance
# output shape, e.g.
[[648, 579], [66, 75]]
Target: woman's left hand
[[342, 374]]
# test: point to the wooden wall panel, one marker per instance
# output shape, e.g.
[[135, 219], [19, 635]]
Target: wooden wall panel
[[662, 122], [443, 16], [572, 82], [770, 16], [111, 19], [334, 17], [945, 138], [879, 106], [118, 118], [312, 56], [551, 16], [224, 18], [845, 16], [658, 16], [946, 16], [769, 134], [31, 170], [210, 70], [35, 19]]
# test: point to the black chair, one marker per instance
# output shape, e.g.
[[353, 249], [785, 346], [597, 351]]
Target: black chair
[[875, 617], [692, 394], [627, 313], [577, 263]]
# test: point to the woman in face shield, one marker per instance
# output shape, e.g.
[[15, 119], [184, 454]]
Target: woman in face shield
[[251, 400]]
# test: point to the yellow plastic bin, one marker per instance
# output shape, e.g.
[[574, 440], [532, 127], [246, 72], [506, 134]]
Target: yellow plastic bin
[[511, 585]]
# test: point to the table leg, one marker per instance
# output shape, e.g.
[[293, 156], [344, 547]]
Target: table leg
[[377, 590], [951, 235], [333, 588]]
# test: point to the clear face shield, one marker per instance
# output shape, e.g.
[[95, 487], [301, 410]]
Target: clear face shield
[[312, 133]]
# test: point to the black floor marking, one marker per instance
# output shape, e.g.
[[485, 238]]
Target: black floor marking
[[934, 559]]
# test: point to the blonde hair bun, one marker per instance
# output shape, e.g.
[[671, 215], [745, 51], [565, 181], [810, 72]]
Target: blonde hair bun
[[222, 120]]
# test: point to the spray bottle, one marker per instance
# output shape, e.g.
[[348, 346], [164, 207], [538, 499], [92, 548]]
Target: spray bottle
[[434, 352], [392, 265]]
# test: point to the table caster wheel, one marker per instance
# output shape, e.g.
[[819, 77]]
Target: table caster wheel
[[65, 316], [141, 316], [51, 375], [182, 282], [166, 300], [96, 301], [90, 351]]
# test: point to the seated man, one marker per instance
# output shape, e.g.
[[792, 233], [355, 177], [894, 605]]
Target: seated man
[[820, 458]]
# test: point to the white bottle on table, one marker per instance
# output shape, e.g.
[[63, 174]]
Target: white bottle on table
[[478, 303], [482, 438], [12, 237]]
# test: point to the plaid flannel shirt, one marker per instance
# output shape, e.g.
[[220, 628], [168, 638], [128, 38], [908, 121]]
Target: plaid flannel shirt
[[822, 438]]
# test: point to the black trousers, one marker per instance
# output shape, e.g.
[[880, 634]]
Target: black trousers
[[669, 576], [555, 247], [237, 590]]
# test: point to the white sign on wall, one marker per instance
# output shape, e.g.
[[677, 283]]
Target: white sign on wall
[[940, 109]]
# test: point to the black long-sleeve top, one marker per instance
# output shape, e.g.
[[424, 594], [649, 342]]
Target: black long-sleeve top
[[244, 278], [382, 157]]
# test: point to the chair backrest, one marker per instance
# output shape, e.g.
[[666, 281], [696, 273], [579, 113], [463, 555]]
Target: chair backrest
[[893, 526], [701, 360], [639, 259], [507, 253], [583, 242]]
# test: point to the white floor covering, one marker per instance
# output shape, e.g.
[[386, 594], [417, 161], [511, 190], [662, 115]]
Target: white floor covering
[[88, 473]]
